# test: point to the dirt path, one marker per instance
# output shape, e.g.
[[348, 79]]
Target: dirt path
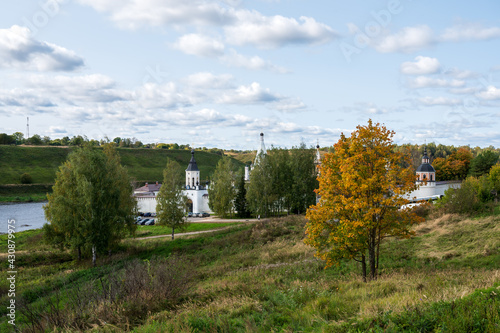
[[181, 234]]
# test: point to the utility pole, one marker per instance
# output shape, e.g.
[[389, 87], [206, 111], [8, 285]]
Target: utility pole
[[28, 128]]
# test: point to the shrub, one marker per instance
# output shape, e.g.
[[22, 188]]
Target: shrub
[[26, 178]]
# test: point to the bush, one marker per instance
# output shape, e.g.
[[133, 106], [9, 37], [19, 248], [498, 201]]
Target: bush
[[26, 178], [120, 298], [474, 196]]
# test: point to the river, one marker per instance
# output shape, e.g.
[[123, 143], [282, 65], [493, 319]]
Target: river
[[27, 216]]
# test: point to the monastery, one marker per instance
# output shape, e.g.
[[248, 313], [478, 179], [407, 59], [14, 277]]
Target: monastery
[[197, 193]]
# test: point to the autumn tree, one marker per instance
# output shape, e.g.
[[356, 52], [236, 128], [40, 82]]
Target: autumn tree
[[171, 202], [91, 206], [362, 186], [454, 167], [221, 191]]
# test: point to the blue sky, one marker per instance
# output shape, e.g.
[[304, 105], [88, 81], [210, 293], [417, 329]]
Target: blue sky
[[217, 73]]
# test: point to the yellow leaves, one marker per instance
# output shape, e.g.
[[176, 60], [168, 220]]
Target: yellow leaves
[[360, 184]]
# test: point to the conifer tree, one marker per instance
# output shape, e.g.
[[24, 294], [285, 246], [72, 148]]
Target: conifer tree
[[240, 201]]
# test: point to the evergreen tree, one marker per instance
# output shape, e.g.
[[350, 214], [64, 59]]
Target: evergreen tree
[[240, 202], [171, 203], [91, 206], [483, 162], [221, 191]]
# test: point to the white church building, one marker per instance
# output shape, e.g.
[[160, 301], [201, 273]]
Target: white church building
[[429, 187], [196, 193]]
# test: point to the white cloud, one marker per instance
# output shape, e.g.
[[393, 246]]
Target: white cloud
[[433, 101], [409, 39], [235, 59], [491, 93], [18, 49], [133, 14], [425, 82], [289, 105], [251, 94], [199, 45], [240, 25], [57, 130], [262, 31], [469, 31], [422, 65], [208, 80], [85, 88]]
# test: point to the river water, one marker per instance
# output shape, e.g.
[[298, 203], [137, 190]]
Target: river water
[[27, 216]]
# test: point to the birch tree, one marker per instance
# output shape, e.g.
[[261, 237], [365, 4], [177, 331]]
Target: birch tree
[[91, 206], [221, 191], [171, 203]]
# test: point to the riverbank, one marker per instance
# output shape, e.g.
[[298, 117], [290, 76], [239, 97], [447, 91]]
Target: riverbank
[[24, 192]]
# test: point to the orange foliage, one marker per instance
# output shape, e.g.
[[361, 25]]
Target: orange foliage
[[361, 186]]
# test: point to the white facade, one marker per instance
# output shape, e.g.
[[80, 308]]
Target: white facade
[[193, 190]]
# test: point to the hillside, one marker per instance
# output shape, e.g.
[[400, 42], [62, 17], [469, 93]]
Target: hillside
[[142, 164], [260, 277]]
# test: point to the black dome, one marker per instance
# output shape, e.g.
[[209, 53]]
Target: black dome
[[425, 168]]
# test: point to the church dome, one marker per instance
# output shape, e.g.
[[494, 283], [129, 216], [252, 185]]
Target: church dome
[[426, 167]]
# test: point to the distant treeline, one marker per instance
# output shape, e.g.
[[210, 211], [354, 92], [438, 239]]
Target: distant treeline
[[37, 140]]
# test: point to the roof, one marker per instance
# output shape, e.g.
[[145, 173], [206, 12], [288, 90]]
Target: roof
[[192, 164], [425, 167], [148, 188]]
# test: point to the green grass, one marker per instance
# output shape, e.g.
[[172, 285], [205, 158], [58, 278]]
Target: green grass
[[156, 230], [260, 277], [144, 165]]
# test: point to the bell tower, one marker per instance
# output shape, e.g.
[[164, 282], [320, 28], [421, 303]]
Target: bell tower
[[192, 173]]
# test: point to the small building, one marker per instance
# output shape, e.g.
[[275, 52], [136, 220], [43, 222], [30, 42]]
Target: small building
[[196, 193]]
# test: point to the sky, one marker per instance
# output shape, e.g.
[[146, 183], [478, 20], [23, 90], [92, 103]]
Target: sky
[[217, 73]]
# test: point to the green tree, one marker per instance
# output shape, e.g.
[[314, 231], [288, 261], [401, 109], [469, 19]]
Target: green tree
[[240, 201], [171, 203], [221, 191], [483, 162], [303, 179], [18, 137], [6, 139], [260, 191], [91, 207], [35, 140], [361, 185]]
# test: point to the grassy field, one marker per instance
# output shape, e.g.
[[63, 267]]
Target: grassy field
[[156, 230], [144, 165], [260, 277]]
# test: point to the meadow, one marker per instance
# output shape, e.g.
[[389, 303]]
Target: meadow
[[260, 277]]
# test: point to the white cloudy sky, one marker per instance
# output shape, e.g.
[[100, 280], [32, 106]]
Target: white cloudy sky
[[216, 73]]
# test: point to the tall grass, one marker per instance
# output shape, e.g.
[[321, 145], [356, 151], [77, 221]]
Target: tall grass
[[262, 278]]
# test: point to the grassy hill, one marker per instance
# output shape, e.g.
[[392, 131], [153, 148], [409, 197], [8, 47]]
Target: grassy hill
[[260, 277], [142, 164]]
